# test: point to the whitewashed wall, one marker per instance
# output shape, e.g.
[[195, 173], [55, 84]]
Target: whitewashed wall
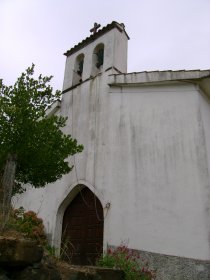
[[158, 171], [145, 154]]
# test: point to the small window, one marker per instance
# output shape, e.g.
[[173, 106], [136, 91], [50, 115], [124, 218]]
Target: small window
[[78, 69]]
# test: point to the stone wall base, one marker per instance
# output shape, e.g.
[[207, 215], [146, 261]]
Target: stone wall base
[[176, 268]]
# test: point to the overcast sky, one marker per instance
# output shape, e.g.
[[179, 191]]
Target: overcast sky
[[164, 34]]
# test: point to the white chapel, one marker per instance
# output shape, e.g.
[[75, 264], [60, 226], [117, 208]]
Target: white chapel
[[143, 177]]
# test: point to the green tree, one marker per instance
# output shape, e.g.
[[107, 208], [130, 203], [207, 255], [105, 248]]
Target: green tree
[[33, 148]]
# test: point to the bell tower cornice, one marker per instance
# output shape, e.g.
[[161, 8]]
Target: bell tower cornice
[[119, 26]]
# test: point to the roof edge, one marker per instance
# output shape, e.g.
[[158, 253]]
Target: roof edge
[[198, 77], [55, 106], [90, 39], [158, 76]]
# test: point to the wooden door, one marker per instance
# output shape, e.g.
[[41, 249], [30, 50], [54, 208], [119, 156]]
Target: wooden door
[[82, 240]]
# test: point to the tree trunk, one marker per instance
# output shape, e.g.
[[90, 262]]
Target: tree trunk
[[7, 184]]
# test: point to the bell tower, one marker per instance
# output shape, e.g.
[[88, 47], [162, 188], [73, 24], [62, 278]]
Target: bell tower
[[104, 49]]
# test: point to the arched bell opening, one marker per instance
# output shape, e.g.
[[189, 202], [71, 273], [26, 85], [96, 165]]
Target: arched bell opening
[[78, 69], [98, 59]]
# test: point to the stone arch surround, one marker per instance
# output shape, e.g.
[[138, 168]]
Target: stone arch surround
[[66, 199]]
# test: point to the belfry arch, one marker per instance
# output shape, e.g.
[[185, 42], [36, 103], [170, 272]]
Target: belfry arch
[[97, 59], [78, 69], [82, 227]]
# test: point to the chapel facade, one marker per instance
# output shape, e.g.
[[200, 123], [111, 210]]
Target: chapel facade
[[143, 176]]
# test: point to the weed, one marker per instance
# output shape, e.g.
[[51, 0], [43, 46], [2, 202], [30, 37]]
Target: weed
[[126, 260]]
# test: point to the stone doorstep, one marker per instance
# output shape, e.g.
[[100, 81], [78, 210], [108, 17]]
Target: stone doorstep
[[73, 272]]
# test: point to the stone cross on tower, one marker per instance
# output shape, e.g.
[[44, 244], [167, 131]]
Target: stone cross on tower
[[95, 27]]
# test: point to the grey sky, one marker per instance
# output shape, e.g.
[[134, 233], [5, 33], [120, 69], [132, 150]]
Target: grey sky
[[164, 34]]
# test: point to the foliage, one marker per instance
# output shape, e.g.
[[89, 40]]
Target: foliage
[[27, 224], [51, 250], [65, 253], [124, 259], [28, 133]]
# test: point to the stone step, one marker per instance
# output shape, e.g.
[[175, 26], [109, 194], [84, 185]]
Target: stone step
[[70, 272]]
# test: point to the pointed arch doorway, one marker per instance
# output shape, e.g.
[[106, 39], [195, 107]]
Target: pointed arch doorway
[[82, 230]]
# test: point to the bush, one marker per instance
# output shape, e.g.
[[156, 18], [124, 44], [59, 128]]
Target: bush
[[124, 259], [28, 224]]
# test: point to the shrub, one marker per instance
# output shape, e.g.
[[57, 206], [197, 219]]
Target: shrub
[[126, 260], [28, 224]]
